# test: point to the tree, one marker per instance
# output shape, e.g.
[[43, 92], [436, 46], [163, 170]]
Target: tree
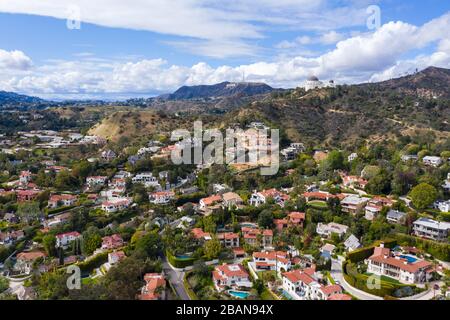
[[213, 248], [49, 243], [334, 204], [335, 160], [423, 195], [150, 244], [29, 211], [209, 225], [380, 184], [91, 240], [258, 285], [265, 219], [4, 284]]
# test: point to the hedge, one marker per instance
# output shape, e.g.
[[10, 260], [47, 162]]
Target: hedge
[[386, 289], [60, 209], [439, 250], [94, 262], [179, 263], [364, 253], [188, 287]]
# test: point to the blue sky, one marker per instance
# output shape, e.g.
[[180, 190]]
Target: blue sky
[[147, 47]]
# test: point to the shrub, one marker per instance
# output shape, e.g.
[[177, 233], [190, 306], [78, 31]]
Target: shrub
[[94, 262]]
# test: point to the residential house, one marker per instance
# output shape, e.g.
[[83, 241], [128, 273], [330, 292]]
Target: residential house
[[256, 237], [321, 195], [326, 230], [96, 181], [115, 257], [231, 276], [25, 178], [112, 242], [431, 229], [305, 285], [296, 218], [63, 200], [432, 161], [375, 205], [147, 179], [354, 181], [259, 198], [200, 235], [409, 157], [406, 270], [229, 239], [352, 243], [210, 201], [443, 206], [231, 200], [25, 260], [108, 155], [278, 261], [116, 205], [353, 204], [161, 197], [27, 195], [64, 239], [155, 287], [352, 157], [396, 217]]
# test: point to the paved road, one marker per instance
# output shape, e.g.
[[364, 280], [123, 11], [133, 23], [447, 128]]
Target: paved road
[[176, 279], [336, 273]]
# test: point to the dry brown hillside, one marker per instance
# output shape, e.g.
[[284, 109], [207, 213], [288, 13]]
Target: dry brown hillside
[[136, 123]]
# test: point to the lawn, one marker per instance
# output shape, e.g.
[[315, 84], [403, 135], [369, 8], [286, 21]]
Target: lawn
[[267, 295], [385, 279], [318, 204]]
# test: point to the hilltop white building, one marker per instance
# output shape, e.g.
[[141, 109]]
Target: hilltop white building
[[314, 83]]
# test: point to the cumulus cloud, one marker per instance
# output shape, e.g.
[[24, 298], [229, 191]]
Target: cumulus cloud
[[220, 29], [362, 57], [14, 60]]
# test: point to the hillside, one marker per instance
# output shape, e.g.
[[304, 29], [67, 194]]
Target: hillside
[[409, 106], [342, 115], [8, 99], [220, 90], [137, 124]]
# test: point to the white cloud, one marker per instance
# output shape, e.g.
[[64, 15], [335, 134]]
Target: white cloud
[[14, 60], [367, 56], [214, 25]]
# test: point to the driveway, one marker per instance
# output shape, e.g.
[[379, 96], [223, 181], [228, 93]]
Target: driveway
[[176, 279], [336, 273]]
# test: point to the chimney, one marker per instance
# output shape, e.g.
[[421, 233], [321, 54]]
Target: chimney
[[382, 245]]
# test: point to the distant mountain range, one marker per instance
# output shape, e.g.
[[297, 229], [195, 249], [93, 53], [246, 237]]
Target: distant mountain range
[[11, 98], [220, 90]]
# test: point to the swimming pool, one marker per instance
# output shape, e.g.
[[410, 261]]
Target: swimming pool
[[286, 295], [410, 259], [239, 294], [183, 257]]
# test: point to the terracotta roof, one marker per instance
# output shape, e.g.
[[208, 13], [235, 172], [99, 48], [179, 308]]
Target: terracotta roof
[[332, 289], [211, 200], [340, 296], [227, 235], [68, 234], [31, 256], [299, 276], [232, 270]]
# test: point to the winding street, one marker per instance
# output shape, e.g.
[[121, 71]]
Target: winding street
[[175, 277], [336, 273]]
